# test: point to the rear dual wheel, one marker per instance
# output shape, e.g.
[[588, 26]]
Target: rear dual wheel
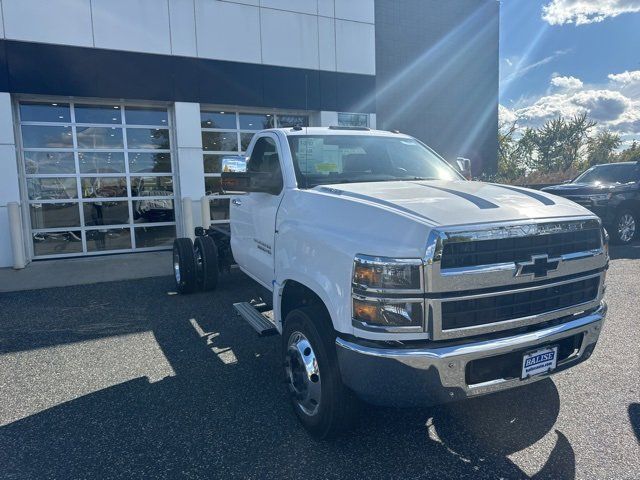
[[206, 254], [195, 266]]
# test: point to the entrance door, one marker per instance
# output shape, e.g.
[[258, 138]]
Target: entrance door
[[253, 216]]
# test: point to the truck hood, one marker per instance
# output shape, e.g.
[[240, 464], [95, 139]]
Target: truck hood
[[587, 188], [440, 202]]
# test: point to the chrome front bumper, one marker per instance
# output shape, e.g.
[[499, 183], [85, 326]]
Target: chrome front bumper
[[429, 376]]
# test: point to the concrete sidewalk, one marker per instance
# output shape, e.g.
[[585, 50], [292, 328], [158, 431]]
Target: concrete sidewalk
[[86, 270]]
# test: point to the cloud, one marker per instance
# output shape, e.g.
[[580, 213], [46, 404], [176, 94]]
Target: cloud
[[625, 78], [600, 105], [506, 116], [582, 12], [523, 70], [627, 82], [612, 105], [567, 83]]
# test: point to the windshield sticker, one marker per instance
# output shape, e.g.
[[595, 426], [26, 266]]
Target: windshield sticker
[[326, 167]]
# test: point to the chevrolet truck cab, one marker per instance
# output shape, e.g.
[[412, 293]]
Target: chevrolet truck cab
[[392, 279]]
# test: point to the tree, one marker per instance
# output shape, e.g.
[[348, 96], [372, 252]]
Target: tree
[[510, 166], [631, 154], [602, 147], [558, 143]]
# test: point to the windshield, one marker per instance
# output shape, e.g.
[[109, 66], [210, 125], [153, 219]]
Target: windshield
[[621, 173], [326, 159]]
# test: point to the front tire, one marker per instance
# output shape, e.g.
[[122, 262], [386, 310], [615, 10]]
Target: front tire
[[324, 406], [624, 228], [184, 265]]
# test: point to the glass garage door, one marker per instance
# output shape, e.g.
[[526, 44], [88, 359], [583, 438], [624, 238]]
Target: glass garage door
[[98, 177]]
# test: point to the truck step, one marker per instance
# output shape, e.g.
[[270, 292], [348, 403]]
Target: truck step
[[260, 323]]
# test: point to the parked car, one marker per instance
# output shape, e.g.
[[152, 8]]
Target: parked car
[[611, 191], [393, 279]]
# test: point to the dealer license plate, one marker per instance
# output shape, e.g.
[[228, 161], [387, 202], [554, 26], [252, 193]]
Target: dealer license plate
[[539, 362]]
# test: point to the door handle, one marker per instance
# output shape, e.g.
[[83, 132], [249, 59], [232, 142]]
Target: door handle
[[236, 202]]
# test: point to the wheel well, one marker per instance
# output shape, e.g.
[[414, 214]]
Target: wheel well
[[296, 295], [633, 205]]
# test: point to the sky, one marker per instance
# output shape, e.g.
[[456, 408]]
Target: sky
[[566, 57]]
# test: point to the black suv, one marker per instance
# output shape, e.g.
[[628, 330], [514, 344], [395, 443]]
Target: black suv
[[611, 191]]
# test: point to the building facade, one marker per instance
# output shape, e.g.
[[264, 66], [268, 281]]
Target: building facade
[[115, 114]]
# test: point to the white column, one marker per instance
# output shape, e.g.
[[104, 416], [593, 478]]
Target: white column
[[9, 180], [189, 162]]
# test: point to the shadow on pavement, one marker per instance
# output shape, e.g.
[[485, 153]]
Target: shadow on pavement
[[634, 418], [225, 414], [631, 252]]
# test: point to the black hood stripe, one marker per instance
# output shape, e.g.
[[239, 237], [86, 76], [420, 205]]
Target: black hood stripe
[[541, 198], [477, 201]]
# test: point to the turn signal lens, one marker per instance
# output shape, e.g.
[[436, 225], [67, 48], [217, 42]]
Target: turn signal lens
[[365, 312], [387, 313]]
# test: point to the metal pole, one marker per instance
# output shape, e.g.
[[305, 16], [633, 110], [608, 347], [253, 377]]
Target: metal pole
[[17, 242]]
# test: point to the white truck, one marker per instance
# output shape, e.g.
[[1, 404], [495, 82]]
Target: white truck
[[393, 279]]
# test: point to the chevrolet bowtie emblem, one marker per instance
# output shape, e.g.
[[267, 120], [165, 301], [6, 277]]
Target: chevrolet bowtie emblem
[[538, 266]]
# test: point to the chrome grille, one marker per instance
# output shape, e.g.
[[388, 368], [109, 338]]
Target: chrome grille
[[519, 249], [476, 283], [500, 308]]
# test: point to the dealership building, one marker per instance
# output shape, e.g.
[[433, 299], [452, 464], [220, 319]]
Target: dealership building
[[115, 114]]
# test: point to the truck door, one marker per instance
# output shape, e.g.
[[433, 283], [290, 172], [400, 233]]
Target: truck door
[[253, 216]]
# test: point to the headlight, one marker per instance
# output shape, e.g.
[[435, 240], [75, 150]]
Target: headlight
[[387, 313], [387, 294], [379, 274], [600, 197]]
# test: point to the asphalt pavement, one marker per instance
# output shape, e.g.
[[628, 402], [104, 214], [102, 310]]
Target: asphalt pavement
[[128, 380]]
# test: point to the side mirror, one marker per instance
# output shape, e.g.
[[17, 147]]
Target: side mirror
[[238, 183], [235, 163], [464, 165], [235, 183], [234, 178]]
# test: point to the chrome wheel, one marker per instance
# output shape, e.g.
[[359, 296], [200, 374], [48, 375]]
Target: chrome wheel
[[303, 374], [626, 227], [176, 266]]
